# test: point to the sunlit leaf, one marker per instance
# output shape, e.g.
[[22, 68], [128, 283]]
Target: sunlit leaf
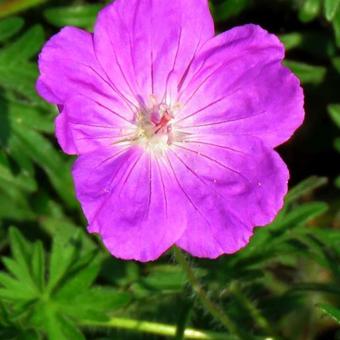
[[309, 10], [81, 15], [331, 311], [334, 111], [307, 73], [331, 7]]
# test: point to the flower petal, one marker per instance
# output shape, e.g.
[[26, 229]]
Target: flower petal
[[84, 125], [142, 43], [232, 184], [129, 199], [237, 84], [68, 67]]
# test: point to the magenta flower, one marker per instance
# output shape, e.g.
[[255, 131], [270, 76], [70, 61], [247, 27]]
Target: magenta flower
[[174, 127]]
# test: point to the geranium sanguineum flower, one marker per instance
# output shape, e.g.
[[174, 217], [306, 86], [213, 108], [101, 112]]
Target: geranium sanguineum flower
[[173, 126]]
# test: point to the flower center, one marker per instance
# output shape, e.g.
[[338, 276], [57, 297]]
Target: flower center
[[154, 128]]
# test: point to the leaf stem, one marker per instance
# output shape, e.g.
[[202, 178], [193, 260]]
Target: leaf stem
[[210, 306], [154, 328]]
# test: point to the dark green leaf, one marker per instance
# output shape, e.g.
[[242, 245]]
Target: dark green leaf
[[9, 27], [305, 187], [299, 216], [9, 7], [228, 8], [24, 48], [42, 152], [38, 265], [165, 278]]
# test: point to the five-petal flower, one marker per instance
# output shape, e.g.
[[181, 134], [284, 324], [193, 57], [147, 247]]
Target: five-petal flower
[[174, 127]]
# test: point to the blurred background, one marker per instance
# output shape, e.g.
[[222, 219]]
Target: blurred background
[[57, 282]]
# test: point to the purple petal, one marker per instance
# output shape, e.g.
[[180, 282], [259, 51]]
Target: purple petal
[[237, 84], [68, 67], [131, 200], [141, 44], [84, 125], [232, 184]]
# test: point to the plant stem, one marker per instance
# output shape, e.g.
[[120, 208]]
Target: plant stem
[[256, 314], [210, 306], [154, 328]]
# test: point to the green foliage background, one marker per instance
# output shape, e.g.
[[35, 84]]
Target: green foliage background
[[57, 282]]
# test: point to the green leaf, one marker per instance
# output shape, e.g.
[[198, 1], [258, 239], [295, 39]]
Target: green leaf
[[228, 8], [19, 266], [13, 289], [336, 28], [306, 72], [331, 311], [165, 278], [9, 27], [19, 80], [305, 187], [21, 181], [81, 15], [80, 278], [309, 10], [14, 205], [337, 144], [291, 40], [58, 327], [336, 63], [29, 117], [38, 265], [331, 7], [316, 43], [62, 256], [19, 246], [22, 273], [334, 111], [45, 155], [299, 216], [94, 304], [24, 48], [9, 7], [337, 182], [53, 309]]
